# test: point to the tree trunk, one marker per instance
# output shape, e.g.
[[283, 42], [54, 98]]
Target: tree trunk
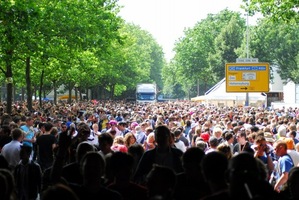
[[76, 94], [23, 94], [28, 84], [55, 92], [41, 84], [70, 93], [9, 80]]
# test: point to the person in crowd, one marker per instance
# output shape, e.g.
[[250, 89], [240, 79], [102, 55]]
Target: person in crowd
[[30, 135], [149, 143], [213, 143], [121, 165], [291, 150], [161, 183], [122, 127], [83, 133], [11, 151], [71, 172], [214, 167], [140, 135], [136, 151], [163, 154], [283, 166], [217, 133], [247, 180], [129, 139], [119, 145], [242, 143], [5, 135], [59, 191], [27, 176], [7, 185], [93, 169], [262, 152], [190, 183], [225, 149], [177, 142], [46, 144]]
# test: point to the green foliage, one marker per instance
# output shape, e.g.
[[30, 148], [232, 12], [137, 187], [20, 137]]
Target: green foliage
[[278, 44], [276, 11], [202, 53]]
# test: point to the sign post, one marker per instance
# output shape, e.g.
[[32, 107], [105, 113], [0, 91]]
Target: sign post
[[247, 77]]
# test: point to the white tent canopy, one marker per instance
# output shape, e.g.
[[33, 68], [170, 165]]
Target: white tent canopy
[[218, 93]]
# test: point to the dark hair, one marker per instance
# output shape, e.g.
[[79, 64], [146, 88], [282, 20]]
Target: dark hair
[[48, 126], [105, 137], [59, 191], [26, 149], [293, 133], [16, 133], [228, 135]]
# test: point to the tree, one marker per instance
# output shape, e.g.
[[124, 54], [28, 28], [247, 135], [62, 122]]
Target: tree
[[229, 39], [202, 52], [277, 44], [275, 11], [17, 18]]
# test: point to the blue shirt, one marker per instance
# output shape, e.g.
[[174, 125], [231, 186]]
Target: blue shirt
[[29, 134]]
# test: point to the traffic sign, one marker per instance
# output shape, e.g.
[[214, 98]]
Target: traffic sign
[[247, 60], [247, 77]]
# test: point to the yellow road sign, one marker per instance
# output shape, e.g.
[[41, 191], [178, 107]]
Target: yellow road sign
[[247, 77]]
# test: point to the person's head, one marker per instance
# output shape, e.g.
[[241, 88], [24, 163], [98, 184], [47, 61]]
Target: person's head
[[7, 184], [25, 153], [95, 127], [122, 125], [105, 142], [243, 176], [17, 134], [161, 182], [191, 160], [293, 182], [129, 139], [82, 149], [83, 131], [217, 132], [29, 121], [214, 166], [58, 191], [213, 142], [198, 131], [121, 165], [293, 134], [241, 137], [48, 126], [92, 168], [225, 149], [229, 137], [177, 133], [148, 130], [280, 148], [162, 136]]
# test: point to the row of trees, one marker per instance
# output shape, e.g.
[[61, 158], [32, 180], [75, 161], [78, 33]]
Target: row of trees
[[204, 49], [86, 45], [81, 44]]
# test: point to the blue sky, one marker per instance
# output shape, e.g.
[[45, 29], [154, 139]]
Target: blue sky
[[167, 19]]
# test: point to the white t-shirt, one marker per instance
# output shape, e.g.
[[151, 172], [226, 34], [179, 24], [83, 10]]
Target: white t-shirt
[[180, 145]]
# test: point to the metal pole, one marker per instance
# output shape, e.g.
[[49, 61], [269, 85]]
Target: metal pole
[[247, 50]]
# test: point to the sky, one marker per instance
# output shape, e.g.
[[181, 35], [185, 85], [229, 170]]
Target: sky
[[167, 19]]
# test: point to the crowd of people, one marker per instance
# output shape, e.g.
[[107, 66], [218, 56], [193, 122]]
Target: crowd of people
[[170, 150]]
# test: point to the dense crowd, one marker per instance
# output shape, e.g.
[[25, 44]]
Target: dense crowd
[[171, 150]]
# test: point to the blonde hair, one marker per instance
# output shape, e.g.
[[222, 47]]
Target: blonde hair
[[118, 140]]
